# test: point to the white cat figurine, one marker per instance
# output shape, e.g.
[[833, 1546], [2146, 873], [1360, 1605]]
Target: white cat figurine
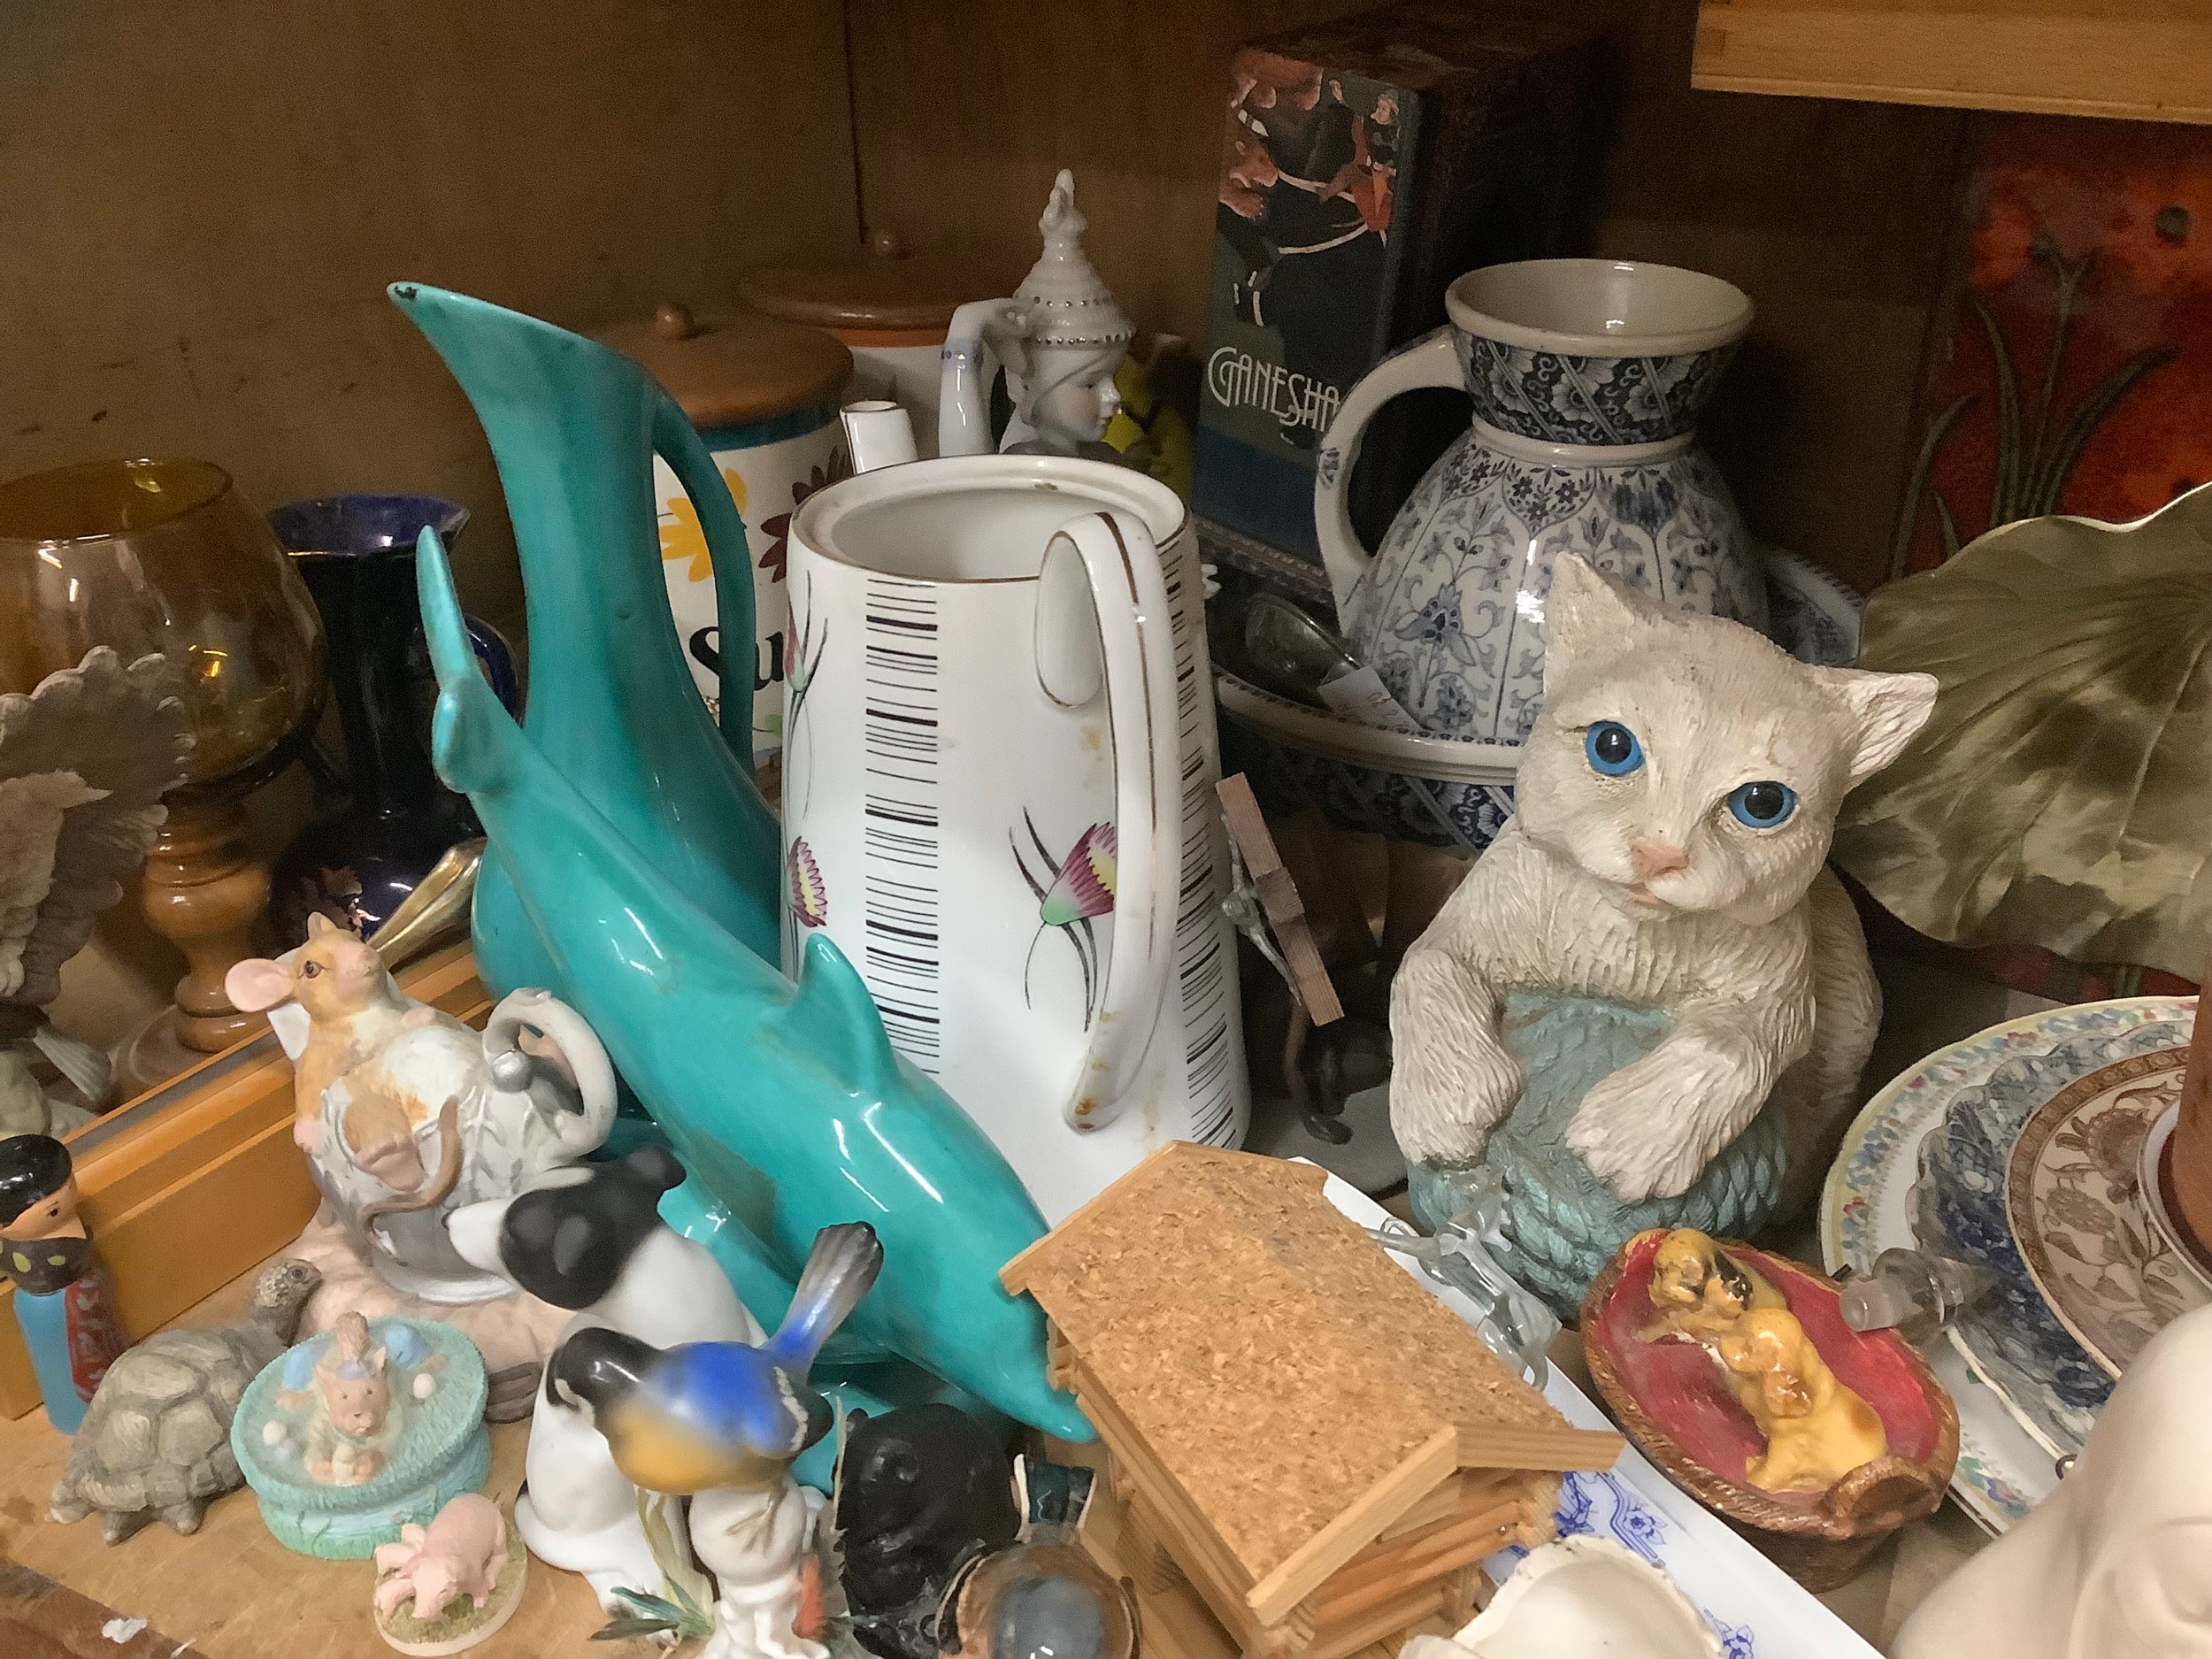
[[1667, 849]]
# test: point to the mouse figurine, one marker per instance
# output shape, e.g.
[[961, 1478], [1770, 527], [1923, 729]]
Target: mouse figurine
[[1818, 1430], [722, 1422], [1700, 1291], [922, 1490], [406, 1115]]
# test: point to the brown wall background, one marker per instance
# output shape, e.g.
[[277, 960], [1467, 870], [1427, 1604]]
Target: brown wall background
[[1831, 216], [202, 200]]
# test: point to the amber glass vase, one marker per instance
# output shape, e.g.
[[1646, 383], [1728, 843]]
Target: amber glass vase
[[164, 557]]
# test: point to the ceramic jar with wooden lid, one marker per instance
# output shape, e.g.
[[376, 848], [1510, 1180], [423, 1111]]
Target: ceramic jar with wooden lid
[[764, 394], [891, 307]]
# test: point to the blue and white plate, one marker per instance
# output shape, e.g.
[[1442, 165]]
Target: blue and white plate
[[2012, 1336], [1756, 1610], [1867, 1208]]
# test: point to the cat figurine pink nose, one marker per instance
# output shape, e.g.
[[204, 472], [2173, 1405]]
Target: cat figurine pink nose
[[1655, 858]]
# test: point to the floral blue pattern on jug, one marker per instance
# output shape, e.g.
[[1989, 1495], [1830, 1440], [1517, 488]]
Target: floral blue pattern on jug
[[1587, 378], [1566, 397]]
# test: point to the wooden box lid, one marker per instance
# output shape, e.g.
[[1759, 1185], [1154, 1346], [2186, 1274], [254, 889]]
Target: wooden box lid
[[886, 290], [737, 368]]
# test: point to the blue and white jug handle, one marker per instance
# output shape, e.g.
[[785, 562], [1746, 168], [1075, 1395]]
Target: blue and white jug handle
[[1432, 360]]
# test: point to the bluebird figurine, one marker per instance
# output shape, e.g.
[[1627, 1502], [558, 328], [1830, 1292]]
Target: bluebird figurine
[[722, 1422]]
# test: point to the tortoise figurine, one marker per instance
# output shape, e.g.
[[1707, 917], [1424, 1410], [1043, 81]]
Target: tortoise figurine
[[156, 1440]]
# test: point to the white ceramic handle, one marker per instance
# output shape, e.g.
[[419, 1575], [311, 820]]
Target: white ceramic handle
[[878, 433], [963, 384], [1136, 634], [1429, 361], [580, 1047]]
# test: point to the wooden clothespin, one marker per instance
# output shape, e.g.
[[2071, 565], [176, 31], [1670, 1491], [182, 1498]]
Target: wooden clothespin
[[1301, 962]]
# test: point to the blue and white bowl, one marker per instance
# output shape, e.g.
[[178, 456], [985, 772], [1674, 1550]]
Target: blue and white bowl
[[1457, 792]]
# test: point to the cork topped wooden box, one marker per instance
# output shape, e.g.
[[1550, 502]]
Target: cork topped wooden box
[[1296, 1432]]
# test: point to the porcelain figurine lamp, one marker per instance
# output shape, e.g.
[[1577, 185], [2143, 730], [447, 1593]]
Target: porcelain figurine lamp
[[2112, 1564], [1060, 338]]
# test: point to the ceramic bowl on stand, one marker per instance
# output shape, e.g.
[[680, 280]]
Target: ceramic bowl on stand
[[1440, 790]]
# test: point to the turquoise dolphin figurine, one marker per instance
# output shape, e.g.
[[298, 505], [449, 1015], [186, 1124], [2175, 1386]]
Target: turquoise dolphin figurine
[[787, 1100], [574, 427]]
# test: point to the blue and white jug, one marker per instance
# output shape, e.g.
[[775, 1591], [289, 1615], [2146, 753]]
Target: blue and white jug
[[1587, 378]]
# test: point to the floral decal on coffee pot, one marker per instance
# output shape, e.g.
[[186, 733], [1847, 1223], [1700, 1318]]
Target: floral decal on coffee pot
[[1081, 888], [810, 896]]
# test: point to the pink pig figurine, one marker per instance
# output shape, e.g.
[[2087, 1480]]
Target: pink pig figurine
[[459, 1554]]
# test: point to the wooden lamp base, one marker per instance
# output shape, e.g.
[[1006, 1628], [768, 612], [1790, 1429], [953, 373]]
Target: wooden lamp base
[[206, 892]]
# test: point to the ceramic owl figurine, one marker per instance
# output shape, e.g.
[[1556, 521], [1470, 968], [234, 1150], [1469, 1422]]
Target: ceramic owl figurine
[[1664, 876]]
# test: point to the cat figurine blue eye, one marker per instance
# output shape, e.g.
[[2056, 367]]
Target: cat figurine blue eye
[[1763, 804], [1613, 750]]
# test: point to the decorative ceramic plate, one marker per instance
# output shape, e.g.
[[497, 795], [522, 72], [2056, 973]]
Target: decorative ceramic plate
[[1754, 1607], [1416, 754], [1866, 1209], [2012, 1336], [2154, 1191], [2073, 1191]]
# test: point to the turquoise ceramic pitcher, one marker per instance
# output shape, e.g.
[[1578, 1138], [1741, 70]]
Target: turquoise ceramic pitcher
[[574, 427]]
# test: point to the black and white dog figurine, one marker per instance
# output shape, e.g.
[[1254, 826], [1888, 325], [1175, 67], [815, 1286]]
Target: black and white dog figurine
[[592, 1240]]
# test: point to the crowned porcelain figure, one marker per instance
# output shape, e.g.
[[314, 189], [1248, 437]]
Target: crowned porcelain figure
[[1652, 948], [1061, 338]]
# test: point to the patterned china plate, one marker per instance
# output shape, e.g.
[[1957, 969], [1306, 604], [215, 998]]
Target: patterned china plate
[[2073, 1189], [2012, 1336], [1867, 1209]]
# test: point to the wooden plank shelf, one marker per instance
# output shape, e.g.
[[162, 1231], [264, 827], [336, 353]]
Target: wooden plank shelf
[[2148, 60]]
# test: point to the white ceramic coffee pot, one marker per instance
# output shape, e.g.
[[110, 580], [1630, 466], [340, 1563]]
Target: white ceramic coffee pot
[[998, 799]]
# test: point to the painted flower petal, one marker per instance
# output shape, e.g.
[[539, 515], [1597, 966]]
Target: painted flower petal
[[1085, 883], [810, 896]]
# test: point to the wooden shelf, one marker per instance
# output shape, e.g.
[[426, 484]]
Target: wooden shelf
[[2148, 60], [230, 1591], [196, 1182]]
